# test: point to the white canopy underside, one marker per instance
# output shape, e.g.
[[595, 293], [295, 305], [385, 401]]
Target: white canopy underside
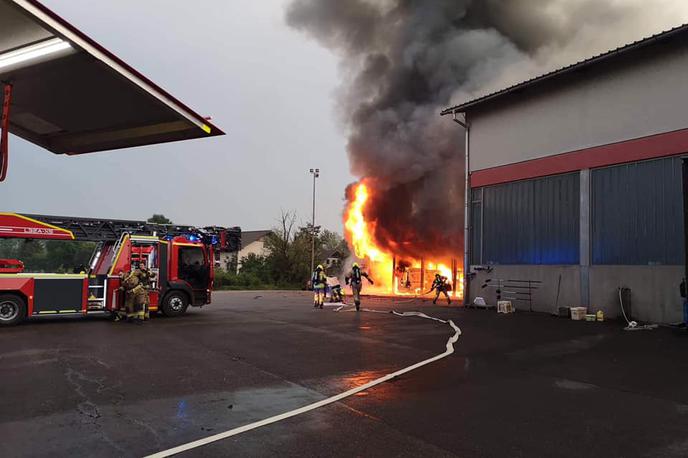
[[70, 95]]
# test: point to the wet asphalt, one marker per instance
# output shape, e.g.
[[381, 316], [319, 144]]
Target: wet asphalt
[[518, 385]]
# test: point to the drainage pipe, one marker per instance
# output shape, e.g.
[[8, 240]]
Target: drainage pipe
[[466, 210]]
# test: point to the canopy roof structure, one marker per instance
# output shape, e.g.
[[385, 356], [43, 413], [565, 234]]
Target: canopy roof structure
[[70, 95]]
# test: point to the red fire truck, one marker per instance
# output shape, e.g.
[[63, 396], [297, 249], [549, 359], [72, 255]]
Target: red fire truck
[[182, 258]]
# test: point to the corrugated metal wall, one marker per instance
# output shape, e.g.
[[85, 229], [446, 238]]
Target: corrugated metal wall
[[531, 222], [476, 228], [637, 213]]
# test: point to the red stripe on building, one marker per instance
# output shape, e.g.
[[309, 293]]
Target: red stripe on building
[[654, 146]]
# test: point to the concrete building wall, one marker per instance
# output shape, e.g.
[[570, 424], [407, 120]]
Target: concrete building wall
[[654, 289], [642, 95], [545, 297]]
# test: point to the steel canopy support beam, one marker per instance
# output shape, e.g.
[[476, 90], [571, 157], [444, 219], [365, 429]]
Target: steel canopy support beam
[[5, 126]]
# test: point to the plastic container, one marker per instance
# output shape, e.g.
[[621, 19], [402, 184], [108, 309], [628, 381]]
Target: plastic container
[[590, 317], [578, 313], [505, 307]]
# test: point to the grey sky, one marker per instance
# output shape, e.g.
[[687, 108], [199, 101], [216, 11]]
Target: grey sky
[[267, 86]]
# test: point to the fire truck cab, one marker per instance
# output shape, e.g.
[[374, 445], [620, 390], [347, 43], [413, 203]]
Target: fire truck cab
[[181, 257]]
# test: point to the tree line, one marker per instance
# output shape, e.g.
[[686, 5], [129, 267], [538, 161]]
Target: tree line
[[48, 255], [287, 264]]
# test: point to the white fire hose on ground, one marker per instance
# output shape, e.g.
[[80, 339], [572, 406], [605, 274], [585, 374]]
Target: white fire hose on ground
[[632, 325], [316, 405]]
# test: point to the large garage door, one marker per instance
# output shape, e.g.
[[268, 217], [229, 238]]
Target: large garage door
[[528, 222], [637, 213]]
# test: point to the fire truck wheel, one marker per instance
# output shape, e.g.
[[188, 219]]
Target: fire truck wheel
[[12, 309], [175, 304]]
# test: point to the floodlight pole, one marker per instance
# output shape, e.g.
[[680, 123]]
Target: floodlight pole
[[467, 209], [316, 174]]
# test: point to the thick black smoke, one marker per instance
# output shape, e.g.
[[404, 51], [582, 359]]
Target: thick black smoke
[[404, 60]]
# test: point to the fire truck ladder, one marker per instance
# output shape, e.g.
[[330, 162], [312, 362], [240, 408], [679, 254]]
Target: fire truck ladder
[[111, 230]]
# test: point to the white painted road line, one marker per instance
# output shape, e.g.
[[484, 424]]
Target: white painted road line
[[316, 405]]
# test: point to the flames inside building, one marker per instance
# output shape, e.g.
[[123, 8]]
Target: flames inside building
[[398, 267]]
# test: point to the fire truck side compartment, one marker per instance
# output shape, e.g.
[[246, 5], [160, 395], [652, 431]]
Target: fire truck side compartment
[[58, 294]]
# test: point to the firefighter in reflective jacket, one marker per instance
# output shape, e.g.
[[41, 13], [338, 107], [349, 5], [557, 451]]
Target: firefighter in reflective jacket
[[319, 281], [440, 286], [355, 279], [136, 302]]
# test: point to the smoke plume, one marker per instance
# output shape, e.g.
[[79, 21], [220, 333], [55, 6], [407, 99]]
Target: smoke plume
[[404, 60]]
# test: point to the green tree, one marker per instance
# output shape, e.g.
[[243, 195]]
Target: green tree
[[159, 219], [33, 254], [9, 248], [279, 244], [64, 256], [301, 253], [48, 255], [289, 261], [257, 266]]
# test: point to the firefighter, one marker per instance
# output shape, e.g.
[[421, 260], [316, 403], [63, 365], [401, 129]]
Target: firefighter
[[128, 283], [145, 276], [355, 279], [318, 282], [440, 286], [335, 289], [136, 301]]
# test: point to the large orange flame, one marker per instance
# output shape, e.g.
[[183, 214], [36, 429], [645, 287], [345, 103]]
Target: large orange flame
[[360, 234]]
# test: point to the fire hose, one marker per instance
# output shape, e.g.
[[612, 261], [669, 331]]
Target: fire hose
[[632, 325], [449, 349]]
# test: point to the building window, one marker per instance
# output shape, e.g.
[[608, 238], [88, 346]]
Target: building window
[[529, 222], [637, 213]]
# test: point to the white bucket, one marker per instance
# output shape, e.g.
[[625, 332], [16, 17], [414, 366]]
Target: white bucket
[[578, 313]]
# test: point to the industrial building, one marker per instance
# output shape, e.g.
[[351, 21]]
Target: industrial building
[[576, 181]]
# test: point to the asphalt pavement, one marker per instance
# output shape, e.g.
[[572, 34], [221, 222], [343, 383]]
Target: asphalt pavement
[[517, 385]]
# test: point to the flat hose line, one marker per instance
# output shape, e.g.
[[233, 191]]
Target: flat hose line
[[316, 405]]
